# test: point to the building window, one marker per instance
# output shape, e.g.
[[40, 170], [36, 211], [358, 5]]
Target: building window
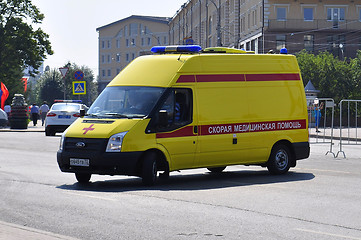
[[308, 14], [308, 41], [109, 59], [127, 42], [103, 44], [133, 56], [280, 42], [281, 14], [337, 14], [103, 73], [118, 57], [337, 45], [103, 59], [109, 44], [127, 57], [133, 29], [118, 70], [149, 41], [210, 23], [142, 41], [109, 73], [118, 43]]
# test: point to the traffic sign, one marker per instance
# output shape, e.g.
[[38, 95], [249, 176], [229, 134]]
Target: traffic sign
[[64, 71], [79, 75], [79, 87]]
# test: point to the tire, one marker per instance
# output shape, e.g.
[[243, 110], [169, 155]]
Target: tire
[[149, 169], [279, 161], [83, 177], [216, 169], [49, 132]]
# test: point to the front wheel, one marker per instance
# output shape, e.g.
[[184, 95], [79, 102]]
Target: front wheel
[[83, 177], [149, 169], [279, 161]]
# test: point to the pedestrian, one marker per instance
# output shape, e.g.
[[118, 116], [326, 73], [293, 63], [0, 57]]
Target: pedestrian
[[34, 113], [317, 112], [44, 109]]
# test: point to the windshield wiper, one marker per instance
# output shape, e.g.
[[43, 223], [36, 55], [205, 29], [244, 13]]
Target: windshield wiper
[[116, 115], [92, 115]]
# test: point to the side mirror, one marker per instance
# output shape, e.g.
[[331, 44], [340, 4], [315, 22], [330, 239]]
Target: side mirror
[[163, 118], [82, 112]]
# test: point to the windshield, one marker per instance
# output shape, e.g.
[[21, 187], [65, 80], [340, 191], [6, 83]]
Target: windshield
[[125, 102]]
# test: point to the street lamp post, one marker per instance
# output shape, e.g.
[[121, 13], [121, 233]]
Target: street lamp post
[[218, 8]]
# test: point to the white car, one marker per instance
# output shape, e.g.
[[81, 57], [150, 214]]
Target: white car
[[61, 115], [3, 118]]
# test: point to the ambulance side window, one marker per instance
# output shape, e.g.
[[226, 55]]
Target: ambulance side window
[[178, 107]]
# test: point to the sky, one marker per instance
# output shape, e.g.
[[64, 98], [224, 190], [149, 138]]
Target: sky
[[72, 25]]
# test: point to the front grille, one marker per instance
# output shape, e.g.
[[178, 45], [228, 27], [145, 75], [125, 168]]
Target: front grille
[[90, 144]]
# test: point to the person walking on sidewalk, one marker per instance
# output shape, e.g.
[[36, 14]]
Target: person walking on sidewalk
[[44, 109], [34, 113], [317, 111]]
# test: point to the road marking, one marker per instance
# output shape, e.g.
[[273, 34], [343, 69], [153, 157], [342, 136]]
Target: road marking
[[91, 196], [327, 234]]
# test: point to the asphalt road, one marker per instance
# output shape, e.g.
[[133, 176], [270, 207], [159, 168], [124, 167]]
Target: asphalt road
[[319, 199]]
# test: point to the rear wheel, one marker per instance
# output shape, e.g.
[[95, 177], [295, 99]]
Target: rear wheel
[[83, 177], [149, 169], [216, 169], [279, 161], [49, 132]]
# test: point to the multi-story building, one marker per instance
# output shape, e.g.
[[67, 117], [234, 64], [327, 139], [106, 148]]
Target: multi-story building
[[122, 41], [263, 25]]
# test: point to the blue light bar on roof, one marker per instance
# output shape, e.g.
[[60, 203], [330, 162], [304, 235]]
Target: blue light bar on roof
[[176, 48]]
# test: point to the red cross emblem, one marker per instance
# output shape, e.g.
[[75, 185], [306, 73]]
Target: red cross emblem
[[86, 130]]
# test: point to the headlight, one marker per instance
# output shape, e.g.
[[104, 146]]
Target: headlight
[[115, 142]]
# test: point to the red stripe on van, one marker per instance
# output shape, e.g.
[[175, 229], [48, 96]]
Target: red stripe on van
[[220, 78], [183, 132], [186, 79], [252, 127], [273, 77]]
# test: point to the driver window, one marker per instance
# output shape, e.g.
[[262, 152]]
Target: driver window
[[178, 107]]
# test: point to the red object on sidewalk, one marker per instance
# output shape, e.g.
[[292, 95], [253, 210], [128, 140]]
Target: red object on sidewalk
[[4, 94]]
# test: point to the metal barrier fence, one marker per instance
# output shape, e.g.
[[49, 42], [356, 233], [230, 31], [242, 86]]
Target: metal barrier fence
[[352, 136], [326, 109]]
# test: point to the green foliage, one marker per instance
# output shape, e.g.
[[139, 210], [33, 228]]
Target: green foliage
[[334, 78], [51, 85], [21, 45]]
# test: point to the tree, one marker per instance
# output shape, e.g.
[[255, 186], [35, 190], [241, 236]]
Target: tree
[[21, 45], [333, 77], [51, 85]]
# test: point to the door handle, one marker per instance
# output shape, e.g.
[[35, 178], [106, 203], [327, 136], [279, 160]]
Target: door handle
[[195, 129]]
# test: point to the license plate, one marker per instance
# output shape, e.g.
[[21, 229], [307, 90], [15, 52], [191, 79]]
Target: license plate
[[63, 116], [79, 162]]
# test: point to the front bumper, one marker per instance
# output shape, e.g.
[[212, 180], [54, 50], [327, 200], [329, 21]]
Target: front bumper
[[100, 162], [104, 164]]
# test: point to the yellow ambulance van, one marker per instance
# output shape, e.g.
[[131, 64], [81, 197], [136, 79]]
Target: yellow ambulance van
[[183, 108]]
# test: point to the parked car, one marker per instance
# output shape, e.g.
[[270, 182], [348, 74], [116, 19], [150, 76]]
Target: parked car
[[61, 115], [3, 118]]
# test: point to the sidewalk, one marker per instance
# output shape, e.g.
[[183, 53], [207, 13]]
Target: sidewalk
[[31, 128], [9, 231], [352, 134]]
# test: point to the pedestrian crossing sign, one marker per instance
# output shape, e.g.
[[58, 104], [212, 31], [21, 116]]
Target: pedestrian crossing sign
[[79, 87]]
